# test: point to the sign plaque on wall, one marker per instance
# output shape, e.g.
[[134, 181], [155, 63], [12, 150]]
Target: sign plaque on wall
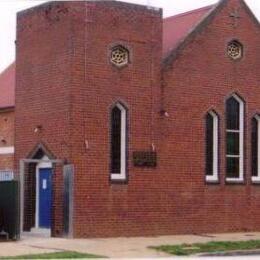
[[145, 159]]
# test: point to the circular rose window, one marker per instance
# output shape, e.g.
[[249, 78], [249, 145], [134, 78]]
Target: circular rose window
[[119, 56], [235, 50]]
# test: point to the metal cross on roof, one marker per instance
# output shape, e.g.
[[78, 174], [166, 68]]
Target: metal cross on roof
[[236, 16]]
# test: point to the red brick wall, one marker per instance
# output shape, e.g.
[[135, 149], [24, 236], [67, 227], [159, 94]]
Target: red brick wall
[[201, 78], [66, 84], [43, 85], [102, 208], [6, 137]]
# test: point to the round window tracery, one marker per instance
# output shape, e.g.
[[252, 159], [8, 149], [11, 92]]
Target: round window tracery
[[235, 50], [119, 56]]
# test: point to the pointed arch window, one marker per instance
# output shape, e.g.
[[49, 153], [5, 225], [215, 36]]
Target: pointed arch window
[[234, 139], [118, 143], [256, 149], [212, 137]]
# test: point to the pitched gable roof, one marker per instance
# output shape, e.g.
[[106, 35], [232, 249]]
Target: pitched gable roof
[[176, 28], [7, 87], [202, 20]]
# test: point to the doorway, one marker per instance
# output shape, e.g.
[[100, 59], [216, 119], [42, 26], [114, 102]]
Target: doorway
[[44, 199], [43, 194]]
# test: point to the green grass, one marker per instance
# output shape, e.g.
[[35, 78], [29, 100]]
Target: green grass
[[210, 247], [57, 255]]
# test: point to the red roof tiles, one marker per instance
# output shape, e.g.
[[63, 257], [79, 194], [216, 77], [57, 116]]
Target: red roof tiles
[[175, 29], [7, 87]]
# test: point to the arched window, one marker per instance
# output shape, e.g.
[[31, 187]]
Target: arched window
[[118, 143], [212, 147], [234, 139], [256, 149]]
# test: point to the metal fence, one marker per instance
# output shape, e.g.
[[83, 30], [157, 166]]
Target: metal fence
[[9, 210]]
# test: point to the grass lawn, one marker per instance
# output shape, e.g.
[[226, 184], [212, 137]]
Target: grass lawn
[[210, 247], [58, 255]]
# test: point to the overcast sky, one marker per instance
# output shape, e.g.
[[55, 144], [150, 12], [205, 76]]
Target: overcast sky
[[8, 9]]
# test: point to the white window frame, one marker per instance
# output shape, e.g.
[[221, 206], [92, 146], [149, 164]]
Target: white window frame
[[257, 178], [122, 175], [241, 141], [215, 176]]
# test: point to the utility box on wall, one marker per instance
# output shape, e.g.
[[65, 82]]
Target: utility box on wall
[[9, 210]]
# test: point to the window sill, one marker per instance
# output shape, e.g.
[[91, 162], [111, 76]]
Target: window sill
[[255, 181], [235, 181], [118, 179], [212, 181]]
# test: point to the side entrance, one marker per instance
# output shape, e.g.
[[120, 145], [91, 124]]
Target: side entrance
[[46, 195]]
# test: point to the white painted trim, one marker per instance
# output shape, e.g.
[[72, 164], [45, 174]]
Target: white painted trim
[[40, 165], [241, 141], [241, 138], [232, 156], [233, 131], [122, 175], [235, 179], [214, 177], [22, 164], [7, 150], [257, 178]]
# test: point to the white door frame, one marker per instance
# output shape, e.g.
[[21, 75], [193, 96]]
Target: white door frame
[[45, 164], [22, 164]]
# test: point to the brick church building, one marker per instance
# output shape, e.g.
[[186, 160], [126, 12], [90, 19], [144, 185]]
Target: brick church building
[[121, 123]]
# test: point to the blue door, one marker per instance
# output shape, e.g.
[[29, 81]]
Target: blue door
[[45, 189]]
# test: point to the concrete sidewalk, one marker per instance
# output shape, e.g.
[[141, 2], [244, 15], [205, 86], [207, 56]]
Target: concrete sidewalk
[[112, 247]]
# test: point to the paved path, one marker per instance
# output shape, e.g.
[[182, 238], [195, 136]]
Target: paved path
[[111, 247]]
